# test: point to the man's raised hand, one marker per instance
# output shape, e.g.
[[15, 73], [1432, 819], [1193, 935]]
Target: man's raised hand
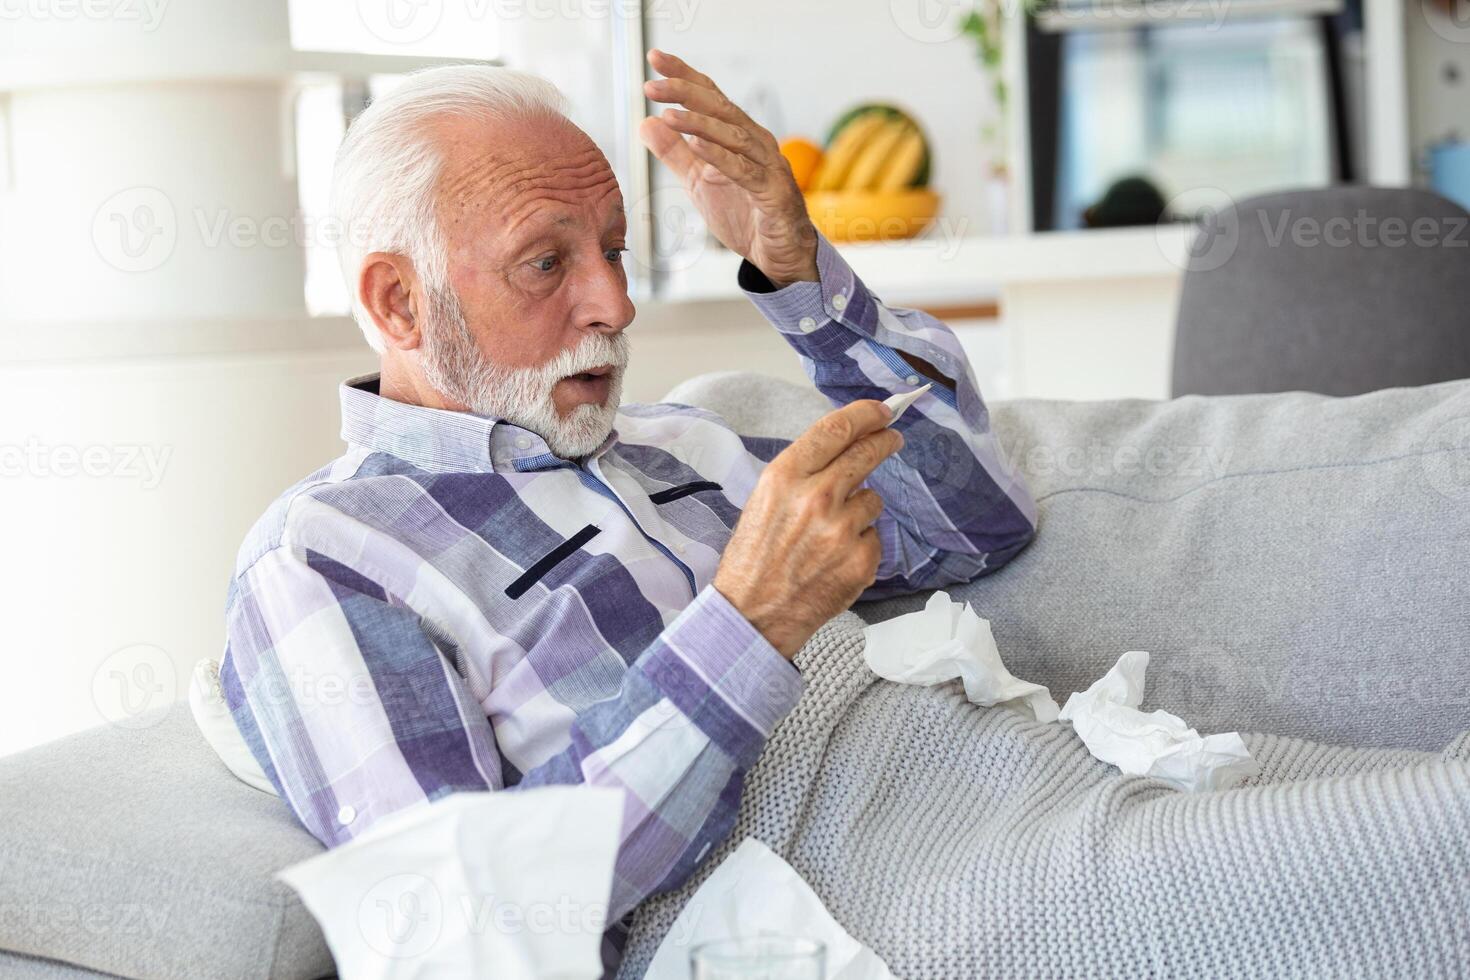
[[805, 548], [732, 170]]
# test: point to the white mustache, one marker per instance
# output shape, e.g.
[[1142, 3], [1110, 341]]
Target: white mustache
[[598, 350]]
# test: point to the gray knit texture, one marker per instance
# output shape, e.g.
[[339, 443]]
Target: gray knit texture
[[961, 842]]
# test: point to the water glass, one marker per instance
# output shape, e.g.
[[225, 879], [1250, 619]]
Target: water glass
[[759, 958]]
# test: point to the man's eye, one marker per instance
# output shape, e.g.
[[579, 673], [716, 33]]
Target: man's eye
[[614, 254], [546, 263]]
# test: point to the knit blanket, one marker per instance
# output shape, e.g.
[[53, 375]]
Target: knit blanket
[[960, 842]]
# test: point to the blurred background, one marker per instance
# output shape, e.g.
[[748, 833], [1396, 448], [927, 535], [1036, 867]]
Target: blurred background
[[174, 327]]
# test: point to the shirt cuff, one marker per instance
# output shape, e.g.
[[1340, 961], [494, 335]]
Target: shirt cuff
[[734, 661], [810, 307]]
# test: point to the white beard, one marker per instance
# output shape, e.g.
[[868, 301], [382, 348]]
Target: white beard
[[453, 364]]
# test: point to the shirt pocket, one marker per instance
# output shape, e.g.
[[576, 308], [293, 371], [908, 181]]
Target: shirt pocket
[[550, 560]]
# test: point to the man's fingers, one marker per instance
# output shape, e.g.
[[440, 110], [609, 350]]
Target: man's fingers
[[869, 550], [675, 67], [829, 436], [742, 170], [864, 507], [858, 461], [734, 138], [680, 91], [671, 149]]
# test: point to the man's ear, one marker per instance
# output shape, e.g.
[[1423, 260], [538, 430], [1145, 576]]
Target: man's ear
[[385, 289]]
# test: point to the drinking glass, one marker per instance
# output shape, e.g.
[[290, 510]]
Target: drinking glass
[[759, 958]]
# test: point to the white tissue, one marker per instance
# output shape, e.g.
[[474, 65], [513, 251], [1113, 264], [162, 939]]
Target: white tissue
[[946, 639], [899, 403], [504, 885], [1155, 743], [755, 893]]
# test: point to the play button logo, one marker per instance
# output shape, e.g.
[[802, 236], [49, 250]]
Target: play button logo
[[400, 21]]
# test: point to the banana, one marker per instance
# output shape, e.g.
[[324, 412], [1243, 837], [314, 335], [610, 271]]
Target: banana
[[844, 150], [875, 154], [903, 163]]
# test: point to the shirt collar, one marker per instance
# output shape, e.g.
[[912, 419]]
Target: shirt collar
[[441, 441]]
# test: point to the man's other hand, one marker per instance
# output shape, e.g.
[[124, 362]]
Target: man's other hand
[[805, 548], [732, 170]]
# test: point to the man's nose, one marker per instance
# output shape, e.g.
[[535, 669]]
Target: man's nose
[[606, 305]]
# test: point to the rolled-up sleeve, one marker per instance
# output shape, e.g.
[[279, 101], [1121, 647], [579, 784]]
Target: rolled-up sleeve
[[955, 508]]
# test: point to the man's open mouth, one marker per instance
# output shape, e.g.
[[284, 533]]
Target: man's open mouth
[[592, 375]]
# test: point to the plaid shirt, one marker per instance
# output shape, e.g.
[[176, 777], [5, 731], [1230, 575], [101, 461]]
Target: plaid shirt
[[449, 607]]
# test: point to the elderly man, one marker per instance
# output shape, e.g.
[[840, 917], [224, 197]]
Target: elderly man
[[511, 581]]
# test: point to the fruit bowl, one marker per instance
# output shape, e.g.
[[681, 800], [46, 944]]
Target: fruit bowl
[[872, 216]]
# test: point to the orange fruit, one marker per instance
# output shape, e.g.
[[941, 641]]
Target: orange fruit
[[804, 156]]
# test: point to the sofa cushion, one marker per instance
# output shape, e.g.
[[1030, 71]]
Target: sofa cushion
[[1295, 563], [15, 966], [135, 852]]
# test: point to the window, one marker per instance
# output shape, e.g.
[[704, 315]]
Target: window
[[432, 28]]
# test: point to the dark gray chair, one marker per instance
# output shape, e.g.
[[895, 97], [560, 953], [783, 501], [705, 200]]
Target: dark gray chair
[[1337, 291]]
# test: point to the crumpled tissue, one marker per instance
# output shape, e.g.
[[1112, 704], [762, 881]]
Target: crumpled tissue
[[1155, 743], [755, 893], [946, 639], [508, 885]]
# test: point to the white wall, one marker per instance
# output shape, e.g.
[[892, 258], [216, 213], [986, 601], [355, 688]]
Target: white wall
[[1437, 46], [138, 552]]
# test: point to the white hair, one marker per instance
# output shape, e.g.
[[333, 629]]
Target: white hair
[[387, 169]]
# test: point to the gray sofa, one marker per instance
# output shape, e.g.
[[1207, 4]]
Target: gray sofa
[[1294, 563]]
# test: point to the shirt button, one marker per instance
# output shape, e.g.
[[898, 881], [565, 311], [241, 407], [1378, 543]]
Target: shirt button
[[839, 302], [346, 815], [523, 443], [912, 379], [807, 324]]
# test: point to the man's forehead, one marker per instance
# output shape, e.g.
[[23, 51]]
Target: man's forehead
[[501, 162], [563, 220]]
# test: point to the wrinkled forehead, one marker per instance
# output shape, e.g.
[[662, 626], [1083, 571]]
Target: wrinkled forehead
[[523, 176]]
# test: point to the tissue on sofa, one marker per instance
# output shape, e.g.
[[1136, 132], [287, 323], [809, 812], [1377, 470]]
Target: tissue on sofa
[[944, 640], [1155, 743], [511, 885]]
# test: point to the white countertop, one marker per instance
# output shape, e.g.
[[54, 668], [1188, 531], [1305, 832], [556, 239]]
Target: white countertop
[[971, 269]]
